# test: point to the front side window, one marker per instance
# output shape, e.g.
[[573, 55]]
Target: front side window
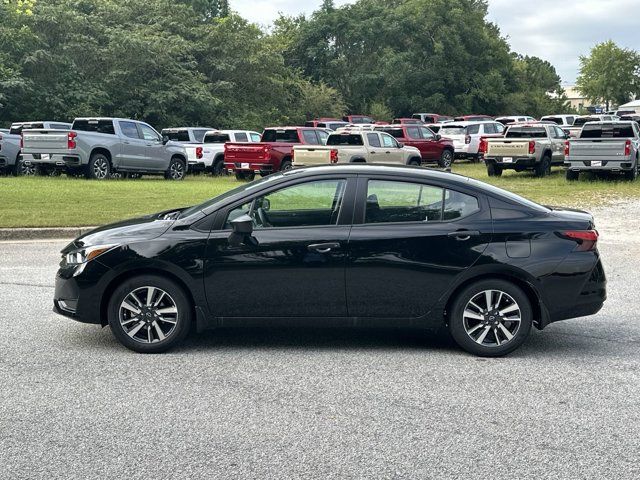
[[176, 135], [199, 134], [388, 141], [129, 129], [427, 134], [255, 137], [149, 133], [458, 205], [414, 133], [241, 137], [308, 204], [310, 137], [323, 137]]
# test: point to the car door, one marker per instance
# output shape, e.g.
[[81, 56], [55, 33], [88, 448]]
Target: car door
[[376, 152], [134, 147], [410, 241], [432, 145], [294, 263], [392, 151], [156, 157]]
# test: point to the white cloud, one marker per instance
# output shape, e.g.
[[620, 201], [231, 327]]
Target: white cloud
[[556, 30]]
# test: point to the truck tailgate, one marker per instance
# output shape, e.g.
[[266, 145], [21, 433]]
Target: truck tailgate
[[612, 148], [246, 152], [191, 152], [311, 155], [507, 148], [45, 141]]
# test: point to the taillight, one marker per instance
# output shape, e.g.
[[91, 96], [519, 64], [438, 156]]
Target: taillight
[[483, 145], [266, 153], [21, 141], [198, 152], [586, 239], [566, 148], [333, 156], [627, 148], [71, 139], [532, 147], [467, 139]]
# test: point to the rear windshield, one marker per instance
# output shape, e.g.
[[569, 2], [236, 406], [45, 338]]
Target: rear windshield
[[17, 129], [177, 135], [505, 121], [453, 130], [98, 126], [578, 122], [556, 120], [411, 121], [524, 132], [310, 124], [334, 126], [608, 130], [216, 138], [631, 118], [286, 136], [344, 139]]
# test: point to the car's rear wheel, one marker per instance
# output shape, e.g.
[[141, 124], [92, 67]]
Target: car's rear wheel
[[446, 159], [493, 170], [149, 314], [176, 170], [245, 176], [491, 318], [286, 165], [572, 176], [99, 167]]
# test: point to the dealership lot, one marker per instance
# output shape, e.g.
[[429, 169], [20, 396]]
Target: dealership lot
[[319, 404]]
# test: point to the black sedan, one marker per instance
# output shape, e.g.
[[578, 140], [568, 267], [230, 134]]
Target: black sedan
[[340, 245]]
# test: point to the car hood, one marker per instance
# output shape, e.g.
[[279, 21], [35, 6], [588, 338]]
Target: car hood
[[143, 228]]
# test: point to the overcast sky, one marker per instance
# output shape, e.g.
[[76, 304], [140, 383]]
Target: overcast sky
[[556, 30]]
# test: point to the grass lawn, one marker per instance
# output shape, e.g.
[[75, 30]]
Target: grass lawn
[[62, 201]]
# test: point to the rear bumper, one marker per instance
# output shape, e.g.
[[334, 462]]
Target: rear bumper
[[45, 159], [514, 163], [600, 165], [248, 167]]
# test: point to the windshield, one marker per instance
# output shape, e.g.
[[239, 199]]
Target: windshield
[[524, 132], [285, 136], [453, 130]]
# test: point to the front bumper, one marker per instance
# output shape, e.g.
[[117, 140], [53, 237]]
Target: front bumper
[[78, 294]]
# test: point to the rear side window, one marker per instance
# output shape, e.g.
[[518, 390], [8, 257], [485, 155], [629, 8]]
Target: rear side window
[[198, 135], [526, 132], [394, 132], [396, 202], [473, 129], [129, 129], [216, 138], [490, 128], [285, 136], [241, 137], [175, 135], [98, 126], [611, 130], [345, 139], [453, 130], [374, 140]]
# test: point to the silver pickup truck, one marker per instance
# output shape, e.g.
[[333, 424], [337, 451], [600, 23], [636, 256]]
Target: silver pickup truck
[[604, 147], [101, 147], [534, 146], [11, 158]]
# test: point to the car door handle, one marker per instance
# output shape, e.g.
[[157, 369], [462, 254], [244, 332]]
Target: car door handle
[[127, 143], [387, 152], [323, 247], [463, 235]]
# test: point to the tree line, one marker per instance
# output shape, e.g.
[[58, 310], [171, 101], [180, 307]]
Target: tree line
[[196, 62]]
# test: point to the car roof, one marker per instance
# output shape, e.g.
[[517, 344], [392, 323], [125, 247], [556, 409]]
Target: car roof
[[466, 123]]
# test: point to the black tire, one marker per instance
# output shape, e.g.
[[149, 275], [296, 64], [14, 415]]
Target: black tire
[[572, 176], [543, 168], [135, 176], [99, 167], [492, 325], [47, 171], [176, 170], [245, 176], [446, 159], [494, 170], [174, 296], [22, 170], [286, 165], [414, 162], [218, 167], [632, 174]]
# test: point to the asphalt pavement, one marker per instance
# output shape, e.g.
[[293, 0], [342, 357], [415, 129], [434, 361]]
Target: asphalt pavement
[[280, 403]]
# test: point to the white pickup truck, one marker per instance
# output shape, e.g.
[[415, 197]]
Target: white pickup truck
[[351, 146], [212, 149]]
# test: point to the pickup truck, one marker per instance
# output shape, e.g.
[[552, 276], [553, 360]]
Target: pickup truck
[[11, 158], [356, 147], [100, 148], [326, 123], [189, 137], [433, 147], [273, 153], [578, 123], [534, 146], [358, 119], [604, 147], [208, 155]]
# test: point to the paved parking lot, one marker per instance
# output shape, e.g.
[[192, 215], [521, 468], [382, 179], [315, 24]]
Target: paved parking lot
[[319, 404]]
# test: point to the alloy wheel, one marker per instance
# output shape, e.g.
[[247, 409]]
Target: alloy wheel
[[148, 314], [492, 318], [447, 159], [176, 170], [26, 169], [100, 168]]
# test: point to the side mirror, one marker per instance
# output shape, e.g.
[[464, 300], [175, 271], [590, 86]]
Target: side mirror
[[165, 139], [242, 230], [400, 145], [438, 136]]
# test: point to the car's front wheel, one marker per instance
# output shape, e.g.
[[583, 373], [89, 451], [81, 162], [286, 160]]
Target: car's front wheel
[[176, 170], [446, 159], [149, 314], [491, 318]]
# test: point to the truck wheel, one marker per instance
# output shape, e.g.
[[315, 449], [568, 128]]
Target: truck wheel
[[22, 169], [99, 167], [218, 167], [446, 159], [245, 176], [632, 174], [494, 170], [572, 176], [176, 170], [285, 165], [543, 168]]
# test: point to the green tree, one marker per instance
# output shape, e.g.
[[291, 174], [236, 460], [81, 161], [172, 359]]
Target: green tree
[[610, 74]]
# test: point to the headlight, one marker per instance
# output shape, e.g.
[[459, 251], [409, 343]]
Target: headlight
[[86, 254]]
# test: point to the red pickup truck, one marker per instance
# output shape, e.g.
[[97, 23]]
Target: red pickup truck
[[273, 153], [433, 147]]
